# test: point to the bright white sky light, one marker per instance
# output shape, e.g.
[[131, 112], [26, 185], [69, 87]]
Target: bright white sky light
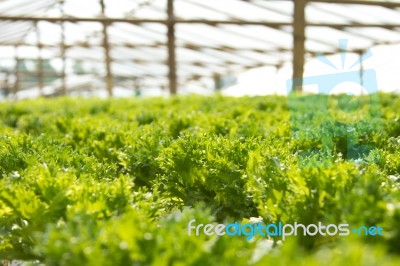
[[385, 61]]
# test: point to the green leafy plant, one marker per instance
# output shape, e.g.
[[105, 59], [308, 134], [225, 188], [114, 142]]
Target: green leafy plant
[[115, 182]]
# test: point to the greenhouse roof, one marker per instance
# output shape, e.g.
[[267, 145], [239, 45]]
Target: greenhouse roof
[[210, 38]]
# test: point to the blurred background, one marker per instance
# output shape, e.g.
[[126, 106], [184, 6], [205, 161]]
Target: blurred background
[[138, 48]]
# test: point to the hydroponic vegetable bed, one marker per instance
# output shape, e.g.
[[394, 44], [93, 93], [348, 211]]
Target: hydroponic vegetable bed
[[117, 182]]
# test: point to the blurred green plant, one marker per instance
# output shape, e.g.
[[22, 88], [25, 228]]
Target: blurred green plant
[[115, 182]]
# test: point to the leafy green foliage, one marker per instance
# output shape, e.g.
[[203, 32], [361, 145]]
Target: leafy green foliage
[[115, 182]]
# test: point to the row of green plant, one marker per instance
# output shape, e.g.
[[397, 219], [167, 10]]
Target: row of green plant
[[115, 182]]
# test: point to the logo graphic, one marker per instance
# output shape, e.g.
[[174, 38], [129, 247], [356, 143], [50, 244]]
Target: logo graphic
[[339, 119], [255, 228]]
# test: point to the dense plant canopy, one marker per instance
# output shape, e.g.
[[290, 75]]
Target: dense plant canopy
[[115, 182]]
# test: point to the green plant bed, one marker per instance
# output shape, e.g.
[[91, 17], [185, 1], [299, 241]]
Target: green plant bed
[[116, 182]]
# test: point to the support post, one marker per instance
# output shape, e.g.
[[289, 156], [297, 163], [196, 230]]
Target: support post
[[137, 86], [39, 61], [106, 44], [299, 24], [6, 84], [360, 54], [63, 52], [16, 73], [171, 48], [217, 83]]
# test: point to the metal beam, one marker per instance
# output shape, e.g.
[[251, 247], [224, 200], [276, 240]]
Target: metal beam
[[299, 24], [187, 45], [171, 48], [74, 19], [16, 73], [63, 53], [107, 57], [195, 21], [39, 60], [359, 2]]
